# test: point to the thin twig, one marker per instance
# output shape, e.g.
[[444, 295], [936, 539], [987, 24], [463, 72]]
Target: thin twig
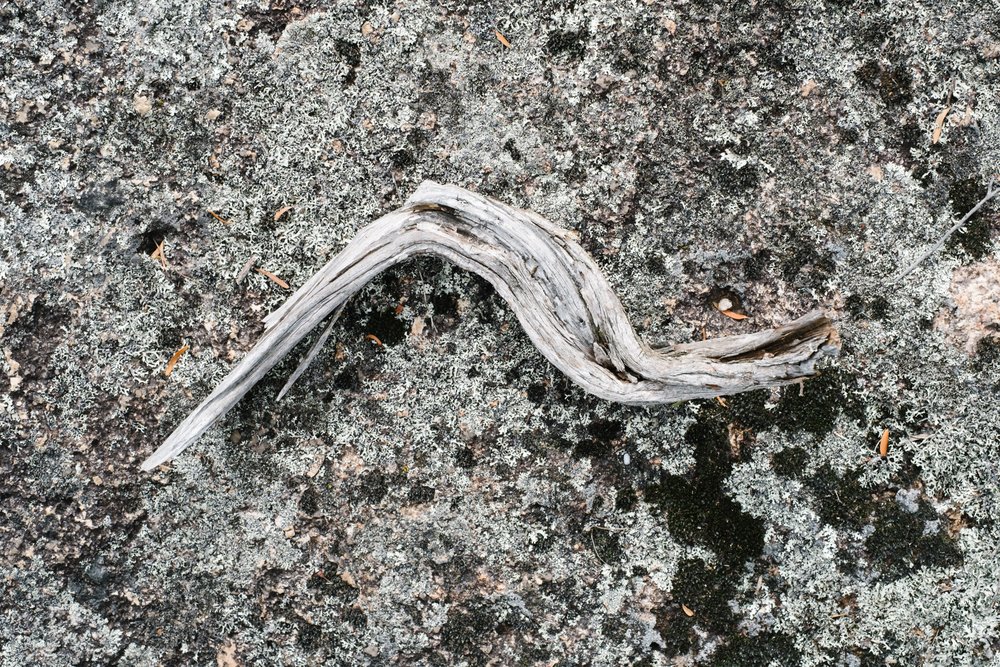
[[991, 192], [317, 346]]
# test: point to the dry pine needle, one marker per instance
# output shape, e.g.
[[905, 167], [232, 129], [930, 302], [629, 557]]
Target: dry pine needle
[[174, 358], [273, 278]]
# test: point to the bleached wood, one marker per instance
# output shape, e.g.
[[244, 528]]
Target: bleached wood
[[558, 294]]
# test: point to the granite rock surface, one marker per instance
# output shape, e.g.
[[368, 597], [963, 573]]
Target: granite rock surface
[[432, 491]]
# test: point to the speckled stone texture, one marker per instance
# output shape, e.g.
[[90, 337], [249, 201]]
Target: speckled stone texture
[[432, 492]]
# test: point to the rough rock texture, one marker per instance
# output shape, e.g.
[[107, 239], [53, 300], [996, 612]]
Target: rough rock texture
[[443, 495]]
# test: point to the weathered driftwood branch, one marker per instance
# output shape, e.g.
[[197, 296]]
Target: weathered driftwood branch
[[558, 293]]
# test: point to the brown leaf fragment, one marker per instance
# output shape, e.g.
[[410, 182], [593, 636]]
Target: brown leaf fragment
[[219, 218], [734, 315], [373, 338], [281, 211], [883, 444], [275, 279], [503, 40], [939, 124], [687, 610], [174, 358]]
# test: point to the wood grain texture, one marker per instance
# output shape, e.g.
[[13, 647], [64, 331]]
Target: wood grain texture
[[558, 294]]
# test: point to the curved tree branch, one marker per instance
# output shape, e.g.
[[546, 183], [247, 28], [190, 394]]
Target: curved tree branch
[[558, 293]]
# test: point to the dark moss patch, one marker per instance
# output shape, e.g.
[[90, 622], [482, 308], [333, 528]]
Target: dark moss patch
[[706, 590], [766, 648], [606, 545], [790, 462], [803, 264], [385, 326], [309, 501], [465, 458], [822, 400], [475, 623], [697, 507], [351, 53], [736, 179], [755, 266], [676, 630], [899, 546], [511, 149], [536, 393], [372, 487], [843, 502], [974, 238]]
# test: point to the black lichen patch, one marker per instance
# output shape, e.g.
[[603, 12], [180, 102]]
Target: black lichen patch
[[893, 82], [512, 150], [790, 462], [372, 487], [875, 308], [351, 53], [476, 624], [987, 354], [756, 265], [900, 546], [419, 494], [804, 265], [603, 436], [568, 44], [36, 335], [537, 392], [735, 179], [766, 648]]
